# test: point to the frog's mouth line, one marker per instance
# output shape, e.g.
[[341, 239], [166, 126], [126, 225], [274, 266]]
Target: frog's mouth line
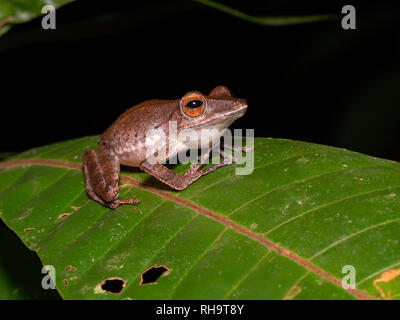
[[232, 117]]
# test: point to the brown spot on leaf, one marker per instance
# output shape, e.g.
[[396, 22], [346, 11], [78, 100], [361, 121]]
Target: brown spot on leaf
[[66, 282], [29, 229], [387, 276], [64, 215], [68, 213], [293, 292], [70, 268]]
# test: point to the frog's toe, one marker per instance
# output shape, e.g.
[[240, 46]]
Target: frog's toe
[[116, 203], [113, 205], [130, 201]]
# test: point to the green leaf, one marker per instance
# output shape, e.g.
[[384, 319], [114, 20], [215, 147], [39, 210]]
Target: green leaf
[[270, 20], [284, 232], [19, 11]]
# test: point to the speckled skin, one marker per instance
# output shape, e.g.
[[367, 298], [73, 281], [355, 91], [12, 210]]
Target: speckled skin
[[124, 142]]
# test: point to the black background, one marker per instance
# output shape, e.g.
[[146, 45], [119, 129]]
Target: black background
[[312, 82]]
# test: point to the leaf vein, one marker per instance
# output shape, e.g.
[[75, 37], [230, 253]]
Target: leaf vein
[[300, 181], [353, 235], [326, 205], [201, 256], [245, 276]]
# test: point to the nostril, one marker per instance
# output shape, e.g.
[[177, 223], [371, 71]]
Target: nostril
[[243, 102]]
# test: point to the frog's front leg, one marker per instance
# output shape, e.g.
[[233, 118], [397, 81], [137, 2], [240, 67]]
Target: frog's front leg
[[177, 181], [102, 175], [228, 157]]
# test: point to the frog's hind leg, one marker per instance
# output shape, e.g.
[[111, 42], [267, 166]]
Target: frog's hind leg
[[102, 175], [89, 187], [96, 172]]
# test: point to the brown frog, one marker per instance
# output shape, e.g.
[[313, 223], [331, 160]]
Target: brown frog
[[127, 141]]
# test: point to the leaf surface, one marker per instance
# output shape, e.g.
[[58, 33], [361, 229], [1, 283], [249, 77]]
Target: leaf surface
[[284, 232]]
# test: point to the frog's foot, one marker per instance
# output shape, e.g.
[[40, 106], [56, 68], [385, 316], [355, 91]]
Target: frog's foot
[[116, 203], [102, 176], [228, 157], [241, 149], [204, 159], [215, 167]]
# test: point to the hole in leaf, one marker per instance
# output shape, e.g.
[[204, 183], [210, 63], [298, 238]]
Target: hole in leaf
[[151, 275], [113, 285]]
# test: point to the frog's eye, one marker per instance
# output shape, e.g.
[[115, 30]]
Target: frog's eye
[[193, 104]]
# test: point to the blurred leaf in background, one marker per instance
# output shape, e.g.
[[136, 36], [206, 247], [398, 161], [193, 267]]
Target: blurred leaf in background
[[269, 20], [19, 11]]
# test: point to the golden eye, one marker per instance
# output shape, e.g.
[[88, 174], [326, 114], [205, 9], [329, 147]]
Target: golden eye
[[193, 104]]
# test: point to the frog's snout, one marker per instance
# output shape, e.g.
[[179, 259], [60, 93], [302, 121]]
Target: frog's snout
[[241, 106]]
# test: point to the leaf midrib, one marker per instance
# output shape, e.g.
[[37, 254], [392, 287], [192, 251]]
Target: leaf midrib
[[206, 212]]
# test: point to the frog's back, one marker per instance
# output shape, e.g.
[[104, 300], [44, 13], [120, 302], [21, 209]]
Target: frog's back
[[126, 137]]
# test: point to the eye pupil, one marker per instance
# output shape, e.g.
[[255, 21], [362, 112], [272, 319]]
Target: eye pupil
[[194, 104]]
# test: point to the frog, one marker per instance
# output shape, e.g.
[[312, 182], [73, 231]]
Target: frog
[[126, 142]]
